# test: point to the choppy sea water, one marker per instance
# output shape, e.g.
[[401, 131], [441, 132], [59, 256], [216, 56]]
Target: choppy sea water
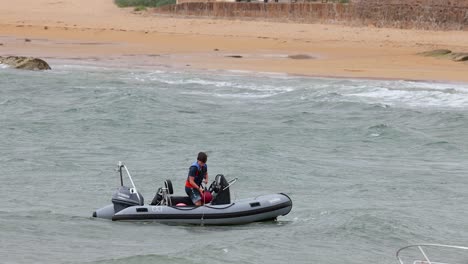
[[371, 166]]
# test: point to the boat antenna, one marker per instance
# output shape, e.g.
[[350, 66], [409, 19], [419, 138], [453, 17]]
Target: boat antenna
[[120, 172], [121, 165]]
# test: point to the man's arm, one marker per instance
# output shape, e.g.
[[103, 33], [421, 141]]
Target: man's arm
[[194, 185], [206, 178]]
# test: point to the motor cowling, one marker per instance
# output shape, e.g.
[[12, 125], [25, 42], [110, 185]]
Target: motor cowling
[[220, 190], [125, 197]]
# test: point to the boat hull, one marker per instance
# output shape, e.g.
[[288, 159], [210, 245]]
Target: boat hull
[[262, 208]]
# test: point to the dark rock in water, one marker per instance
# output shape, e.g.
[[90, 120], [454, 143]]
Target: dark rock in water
[[25, 63], [234, 56], [444, 53], [436, 53], [460, 57], [300, 57]]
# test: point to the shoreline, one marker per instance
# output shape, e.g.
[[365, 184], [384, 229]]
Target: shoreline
[[110, 63], [315, 50]]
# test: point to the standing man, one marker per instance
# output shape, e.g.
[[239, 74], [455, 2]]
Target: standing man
[[198, 172]]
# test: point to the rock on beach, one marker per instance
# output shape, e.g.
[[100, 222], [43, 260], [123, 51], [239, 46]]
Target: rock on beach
[[25, 63]]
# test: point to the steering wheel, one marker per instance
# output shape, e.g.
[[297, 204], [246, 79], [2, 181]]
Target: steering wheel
[[216, 184], [212, 187]]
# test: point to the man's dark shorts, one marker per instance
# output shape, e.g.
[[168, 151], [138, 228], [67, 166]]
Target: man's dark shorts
[[193, 194]]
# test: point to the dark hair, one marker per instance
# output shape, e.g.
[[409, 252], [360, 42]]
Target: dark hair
[[202, 157]]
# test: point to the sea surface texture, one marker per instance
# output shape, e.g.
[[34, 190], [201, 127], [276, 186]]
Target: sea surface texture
[[371, 165]]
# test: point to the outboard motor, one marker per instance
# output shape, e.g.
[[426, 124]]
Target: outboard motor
[[220, 190], [122, 198], [125, 197]]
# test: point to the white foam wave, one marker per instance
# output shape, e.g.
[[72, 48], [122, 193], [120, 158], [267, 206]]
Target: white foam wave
[[412, 94], [67, 68], [240, 71], [246, 95], [237, 87], [245, 73], [3, 66], [243, 84]]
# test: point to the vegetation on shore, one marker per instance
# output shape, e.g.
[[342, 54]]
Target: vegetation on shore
[[140, 8], [140, 4], [445, 53]]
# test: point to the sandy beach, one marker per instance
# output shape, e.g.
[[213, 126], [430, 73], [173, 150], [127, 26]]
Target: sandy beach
[[99, 30]]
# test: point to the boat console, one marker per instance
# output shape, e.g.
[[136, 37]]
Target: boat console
[[219, 189]]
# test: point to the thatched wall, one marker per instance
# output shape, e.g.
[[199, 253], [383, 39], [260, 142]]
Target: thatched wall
[[427, 14]]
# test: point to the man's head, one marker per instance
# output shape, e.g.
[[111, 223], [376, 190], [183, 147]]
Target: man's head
[[202, 157]]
